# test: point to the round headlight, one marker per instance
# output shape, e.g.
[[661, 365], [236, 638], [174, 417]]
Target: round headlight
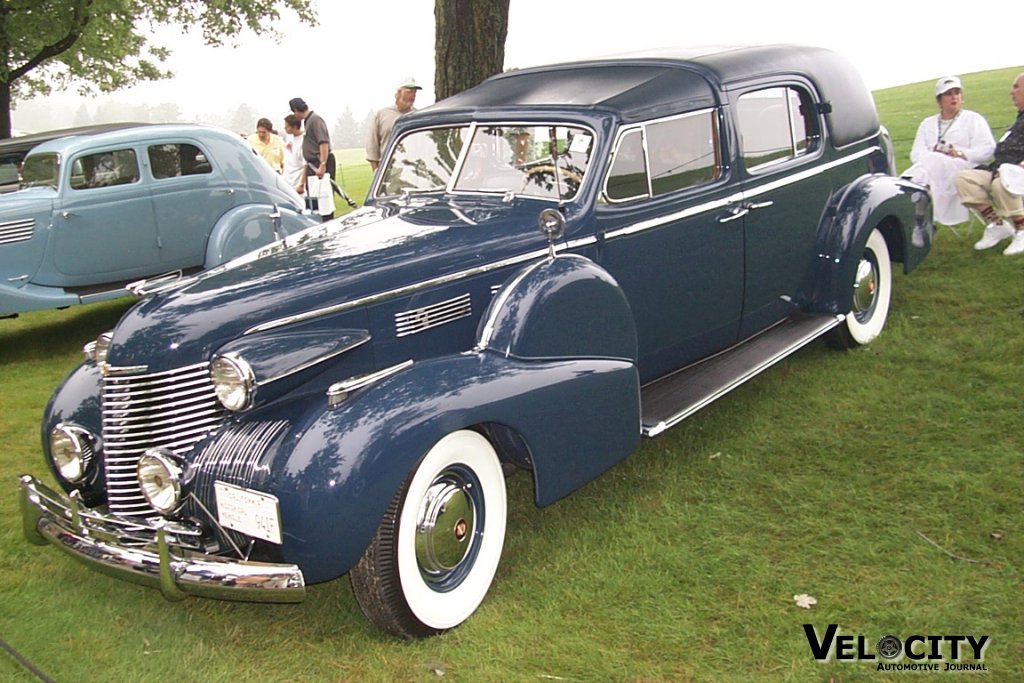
[[159, 475], [233, 380], [71, 450]]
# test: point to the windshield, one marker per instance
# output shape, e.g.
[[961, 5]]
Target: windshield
[[546, 161], [40, 169]]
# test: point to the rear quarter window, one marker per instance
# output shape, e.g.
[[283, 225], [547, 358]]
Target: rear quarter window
[[776, 125]]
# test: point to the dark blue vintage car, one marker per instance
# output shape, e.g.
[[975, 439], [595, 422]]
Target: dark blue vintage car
[[551, 266]]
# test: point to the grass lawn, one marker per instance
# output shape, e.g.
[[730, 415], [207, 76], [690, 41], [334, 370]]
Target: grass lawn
[[885, 482]]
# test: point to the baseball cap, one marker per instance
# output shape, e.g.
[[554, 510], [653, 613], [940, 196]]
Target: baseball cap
[[946, 83], [409, 83]]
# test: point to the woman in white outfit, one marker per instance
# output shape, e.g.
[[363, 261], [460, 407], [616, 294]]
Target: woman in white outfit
[[946, 143]]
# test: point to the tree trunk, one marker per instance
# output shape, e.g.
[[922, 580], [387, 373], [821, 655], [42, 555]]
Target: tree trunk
[[469, 43], [5, 110]]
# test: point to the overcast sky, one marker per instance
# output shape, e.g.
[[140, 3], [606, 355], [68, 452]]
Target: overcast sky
[[360, 51]]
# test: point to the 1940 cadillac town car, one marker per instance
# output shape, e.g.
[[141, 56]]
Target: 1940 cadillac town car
[[101, 208], [550, 266]]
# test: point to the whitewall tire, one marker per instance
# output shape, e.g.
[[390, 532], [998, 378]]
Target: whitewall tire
[[437, 549], [872, 294]]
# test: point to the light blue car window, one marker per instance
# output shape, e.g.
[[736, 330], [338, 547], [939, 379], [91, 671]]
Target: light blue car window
[[173, 160], [104, 169], [40, 170]]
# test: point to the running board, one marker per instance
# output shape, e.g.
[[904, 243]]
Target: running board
[[673, 398]]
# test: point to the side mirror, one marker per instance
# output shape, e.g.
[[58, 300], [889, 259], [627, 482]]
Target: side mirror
[[552, 226]]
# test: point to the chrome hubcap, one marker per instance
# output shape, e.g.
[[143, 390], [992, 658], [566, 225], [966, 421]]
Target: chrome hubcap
[[865, 288], [445, 528]]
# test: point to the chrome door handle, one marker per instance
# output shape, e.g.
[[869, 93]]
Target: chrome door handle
[[760, 205], [230, 190], [67, 214], [734, 213]]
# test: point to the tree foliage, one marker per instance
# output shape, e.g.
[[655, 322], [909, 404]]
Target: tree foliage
[[469, 43], [103, 45]]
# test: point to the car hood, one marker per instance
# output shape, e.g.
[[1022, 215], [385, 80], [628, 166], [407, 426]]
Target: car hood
[[26, 203], [361, 258]]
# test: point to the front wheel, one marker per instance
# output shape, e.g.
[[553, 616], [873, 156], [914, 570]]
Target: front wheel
[[872, 292], [435, 553]]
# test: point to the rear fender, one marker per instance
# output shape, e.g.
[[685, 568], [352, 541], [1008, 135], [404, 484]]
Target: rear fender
[[249, 227], [902, 212]]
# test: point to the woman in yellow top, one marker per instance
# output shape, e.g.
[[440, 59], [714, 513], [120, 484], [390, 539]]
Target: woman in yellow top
[[268, 144]]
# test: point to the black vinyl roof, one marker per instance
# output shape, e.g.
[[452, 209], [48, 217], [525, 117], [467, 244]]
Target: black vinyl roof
[[644, 85]]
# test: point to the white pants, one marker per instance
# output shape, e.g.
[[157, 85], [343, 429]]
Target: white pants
[[938, 171]]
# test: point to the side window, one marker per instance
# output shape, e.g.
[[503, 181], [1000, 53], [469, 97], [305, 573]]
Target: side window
[[627, 178], [104, 169], [776, 124], [682, 152], [665, 156], [173, 160]]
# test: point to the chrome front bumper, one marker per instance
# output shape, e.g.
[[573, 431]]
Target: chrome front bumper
[[97, 540]]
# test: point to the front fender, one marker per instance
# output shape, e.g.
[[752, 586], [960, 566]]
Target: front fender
[[337, 473], [249, 227], [902, 212], [77, 401]]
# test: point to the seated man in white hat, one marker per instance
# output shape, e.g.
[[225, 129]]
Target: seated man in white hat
[[983, 190]]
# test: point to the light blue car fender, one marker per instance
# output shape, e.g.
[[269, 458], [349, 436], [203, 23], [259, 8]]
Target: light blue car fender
[[249, 227]]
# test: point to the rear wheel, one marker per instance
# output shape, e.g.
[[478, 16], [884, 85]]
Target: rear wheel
[[872, 292], [435, 553]]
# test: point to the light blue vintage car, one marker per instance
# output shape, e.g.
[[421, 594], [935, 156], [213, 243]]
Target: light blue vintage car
[[96, 212]]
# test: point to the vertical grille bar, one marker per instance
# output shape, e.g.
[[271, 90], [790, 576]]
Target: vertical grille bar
[[172, 410]]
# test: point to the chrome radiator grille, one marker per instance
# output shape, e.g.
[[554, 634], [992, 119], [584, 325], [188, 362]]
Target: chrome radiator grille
[[237, 455], [172, 410]]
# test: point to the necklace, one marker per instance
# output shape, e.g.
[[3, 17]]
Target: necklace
[[943, 133]]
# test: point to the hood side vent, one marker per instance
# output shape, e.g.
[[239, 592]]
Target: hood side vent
[[421, 319]]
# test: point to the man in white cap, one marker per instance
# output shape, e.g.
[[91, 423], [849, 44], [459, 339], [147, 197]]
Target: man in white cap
[[953, 140], [983, 190], [384, 120]]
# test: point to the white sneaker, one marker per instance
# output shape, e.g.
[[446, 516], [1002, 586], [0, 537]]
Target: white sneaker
[[1017, 245], [994, 234]]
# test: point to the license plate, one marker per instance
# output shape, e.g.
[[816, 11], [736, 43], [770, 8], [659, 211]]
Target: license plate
[[250, 512]]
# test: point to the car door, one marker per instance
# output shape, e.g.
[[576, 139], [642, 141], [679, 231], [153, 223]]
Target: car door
[[786, 187], [190, 193], [667, 237], [103, 228]]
